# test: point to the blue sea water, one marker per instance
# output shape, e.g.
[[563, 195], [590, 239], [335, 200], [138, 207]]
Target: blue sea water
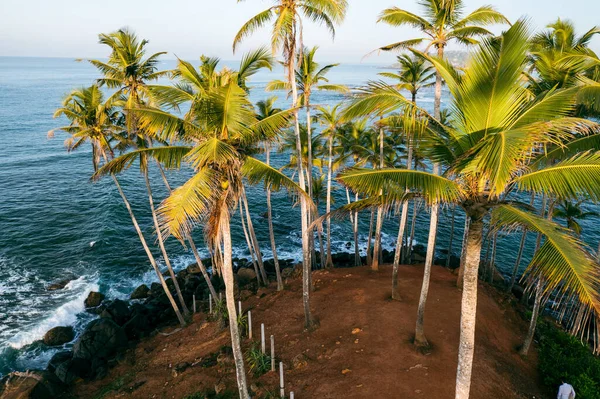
[[56, 224]]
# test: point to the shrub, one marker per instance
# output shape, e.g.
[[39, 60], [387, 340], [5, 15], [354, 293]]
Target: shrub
[[564, 357], [258, 363]]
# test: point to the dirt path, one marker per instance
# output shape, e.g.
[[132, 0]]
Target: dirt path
[[362, 348]]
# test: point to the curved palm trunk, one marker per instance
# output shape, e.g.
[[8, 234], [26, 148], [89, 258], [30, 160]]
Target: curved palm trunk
[[271, 231], [451, 236], [468, 308], [250, 248], [254, 240], [163, 283], [188, 237], [306, 250], [161, 244], [401, 231], [534, 317], [349, 202], [231, 311], [320, 237], [329, 261], [420, 339]]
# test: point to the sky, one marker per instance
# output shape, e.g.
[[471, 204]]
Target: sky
[[188, 28]]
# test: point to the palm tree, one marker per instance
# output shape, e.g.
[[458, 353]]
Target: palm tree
[[94, 121], [222, 130], [128, 71], [443, 21], [414, 74], [572, 212], [331, 122], [286, 36], [265, 109], [488, 155]]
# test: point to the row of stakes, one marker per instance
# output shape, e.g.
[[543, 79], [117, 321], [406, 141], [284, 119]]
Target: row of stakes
[[262, 340]]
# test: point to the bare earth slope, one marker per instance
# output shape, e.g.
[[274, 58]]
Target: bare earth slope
[[362, 348]]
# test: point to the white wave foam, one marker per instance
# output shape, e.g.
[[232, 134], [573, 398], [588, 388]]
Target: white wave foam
[[64, 315]]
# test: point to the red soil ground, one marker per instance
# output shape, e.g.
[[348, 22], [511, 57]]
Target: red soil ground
[[362, 348]]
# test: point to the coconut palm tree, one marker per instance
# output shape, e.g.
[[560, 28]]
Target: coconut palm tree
[[443, 22], [331, 121], [94, 121], [222, 131], [488, 155], [413, 75], [129, 71], [265, 109], [572, 212], [286, 36]]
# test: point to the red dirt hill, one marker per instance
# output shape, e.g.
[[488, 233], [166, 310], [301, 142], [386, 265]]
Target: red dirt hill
[[362, 348]]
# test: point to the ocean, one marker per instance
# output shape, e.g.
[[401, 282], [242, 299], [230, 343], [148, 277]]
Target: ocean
[[55, 224]]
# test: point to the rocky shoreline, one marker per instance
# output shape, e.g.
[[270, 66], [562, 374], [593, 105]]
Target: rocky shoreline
[[122, 324]]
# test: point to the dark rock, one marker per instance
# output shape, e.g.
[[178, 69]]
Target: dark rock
[[59, 285], [141, 292], [101, 339], [190, 282], [31, 384], [59, 336], [94, 299], [245, 276], [181, 367], [73, 369], [518, 291], [420, 249], [287, 273], [57, 359], [137, 326], [118, 311]]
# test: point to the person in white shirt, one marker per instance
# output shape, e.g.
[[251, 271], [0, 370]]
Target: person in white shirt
[[565, 391]]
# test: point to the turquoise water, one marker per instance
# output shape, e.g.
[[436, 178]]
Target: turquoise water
[[55, 224]]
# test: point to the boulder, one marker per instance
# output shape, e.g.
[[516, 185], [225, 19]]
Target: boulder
[[141, 292], [102, 338], [57, 359], [137, 326], [31, 384], [59, 336], [118, 311], [155, 290], [245, 276], [94, 299], [287, 273], [73, 369], [59, 285]]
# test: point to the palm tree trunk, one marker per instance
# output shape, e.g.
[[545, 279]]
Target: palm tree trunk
[[420, 339], [411, 238], [329, 262], [451, 236], [379, 221], [231, 311], [163, 283], [357, 260], [468, 308], [534, 317], [270, 221], [250, 248], [254, 240], [306, 250], [369, 238], [349, 202], [463, 254], [188, 237], [401, 230], [161, 244], [437, 100], [515, 270], [491, 264]]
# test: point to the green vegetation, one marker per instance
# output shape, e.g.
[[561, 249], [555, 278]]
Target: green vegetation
[[258, 363], [563, 357]]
